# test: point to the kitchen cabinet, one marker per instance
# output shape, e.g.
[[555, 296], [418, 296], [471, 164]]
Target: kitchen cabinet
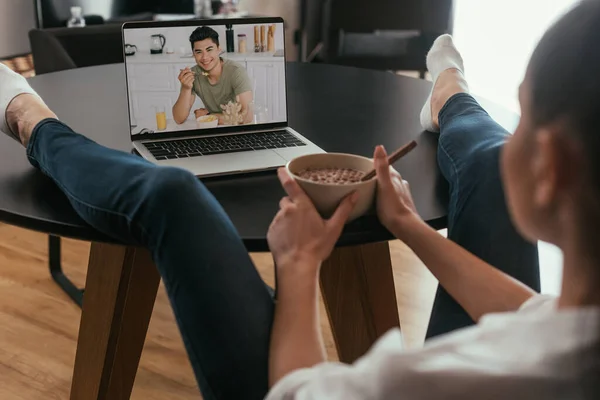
[[152, 81], [269, 87], [152, 85], [279, 100]]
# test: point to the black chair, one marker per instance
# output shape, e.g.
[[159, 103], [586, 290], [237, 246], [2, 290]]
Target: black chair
[[309, 37], [59, 49], [55, 13], [376, 34]]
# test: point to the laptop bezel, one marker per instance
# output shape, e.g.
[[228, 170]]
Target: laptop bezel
[[202, 132]]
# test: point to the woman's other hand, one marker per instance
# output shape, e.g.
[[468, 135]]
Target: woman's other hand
[[395, 206], [298, 234]]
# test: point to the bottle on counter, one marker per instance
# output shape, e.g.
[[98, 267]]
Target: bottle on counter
[[229, 38], [242, 43], [76, 20], [207, 10], [198, 8], [203, 8], [271, 39], [256, 39], [263, 38]]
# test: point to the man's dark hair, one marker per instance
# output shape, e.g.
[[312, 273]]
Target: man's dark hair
[[203, 33], [565, 82]]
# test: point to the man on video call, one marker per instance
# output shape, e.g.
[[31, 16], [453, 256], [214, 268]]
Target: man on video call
[[215, 80]]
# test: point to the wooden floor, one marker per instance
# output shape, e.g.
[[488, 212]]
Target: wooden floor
[[39, 324]]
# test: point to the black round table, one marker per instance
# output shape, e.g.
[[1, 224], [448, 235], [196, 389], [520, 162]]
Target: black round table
[[340, 109]]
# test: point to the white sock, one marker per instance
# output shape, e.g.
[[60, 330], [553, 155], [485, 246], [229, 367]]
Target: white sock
[[11, 85], [442, 56]]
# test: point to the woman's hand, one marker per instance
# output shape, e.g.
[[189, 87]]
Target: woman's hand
[[298, 234], [395, 206]]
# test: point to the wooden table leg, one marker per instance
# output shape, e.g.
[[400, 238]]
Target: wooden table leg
[[358, 291], [120, 292]]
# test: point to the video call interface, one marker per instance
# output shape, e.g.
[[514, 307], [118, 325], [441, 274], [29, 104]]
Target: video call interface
[[204, 77]]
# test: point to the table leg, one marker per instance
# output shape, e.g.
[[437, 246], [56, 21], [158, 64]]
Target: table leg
[[57, 273], [121, 288], [358, 291]]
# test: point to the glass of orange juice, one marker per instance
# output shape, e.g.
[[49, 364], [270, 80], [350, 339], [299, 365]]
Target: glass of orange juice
[[161, 118]]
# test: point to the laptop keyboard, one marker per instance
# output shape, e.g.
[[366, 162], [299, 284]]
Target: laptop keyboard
[[183, 148]]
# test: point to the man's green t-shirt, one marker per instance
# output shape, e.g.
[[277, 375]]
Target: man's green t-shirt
[[234, 81]]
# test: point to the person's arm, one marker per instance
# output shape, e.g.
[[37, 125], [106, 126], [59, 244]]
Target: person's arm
[[477, 286], [185, 101], [221, 118], [242, 87], [299, 240], [245, 99], [296, 339]]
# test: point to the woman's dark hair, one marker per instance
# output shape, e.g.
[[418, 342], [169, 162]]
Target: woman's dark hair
[[203, 33], [564, 77]]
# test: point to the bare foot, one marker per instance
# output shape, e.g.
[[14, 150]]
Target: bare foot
[[24, 112]]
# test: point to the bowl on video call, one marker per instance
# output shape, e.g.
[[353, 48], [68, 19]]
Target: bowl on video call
[[329, 177], [207, 121]]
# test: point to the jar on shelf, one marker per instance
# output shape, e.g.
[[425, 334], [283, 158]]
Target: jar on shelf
[[242, 43]]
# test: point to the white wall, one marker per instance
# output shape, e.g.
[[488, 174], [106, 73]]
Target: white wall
[[496, 39], [17, 17], [178, 38]]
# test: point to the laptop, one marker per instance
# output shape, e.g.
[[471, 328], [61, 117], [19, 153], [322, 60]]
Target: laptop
[[210, 96]]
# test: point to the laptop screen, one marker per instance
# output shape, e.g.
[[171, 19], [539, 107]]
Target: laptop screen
[[205, 77]]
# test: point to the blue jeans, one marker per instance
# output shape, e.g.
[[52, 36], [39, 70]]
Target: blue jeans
[[469, 149], [223, 309]]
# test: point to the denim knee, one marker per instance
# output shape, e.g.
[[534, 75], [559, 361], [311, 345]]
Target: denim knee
[[479, 176], [483, 161], [171, 179], [165, 190]]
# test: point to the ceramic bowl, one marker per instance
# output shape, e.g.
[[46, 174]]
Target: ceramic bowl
[[207, 121], [327, 196]]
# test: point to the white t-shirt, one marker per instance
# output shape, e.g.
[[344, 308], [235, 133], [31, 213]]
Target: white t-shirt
[[536, 353]]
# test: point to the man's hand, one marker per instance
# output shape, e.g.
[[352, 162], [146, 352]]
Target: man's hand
[[298, 234], [395, 205], [186, 77], [201, 112]]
